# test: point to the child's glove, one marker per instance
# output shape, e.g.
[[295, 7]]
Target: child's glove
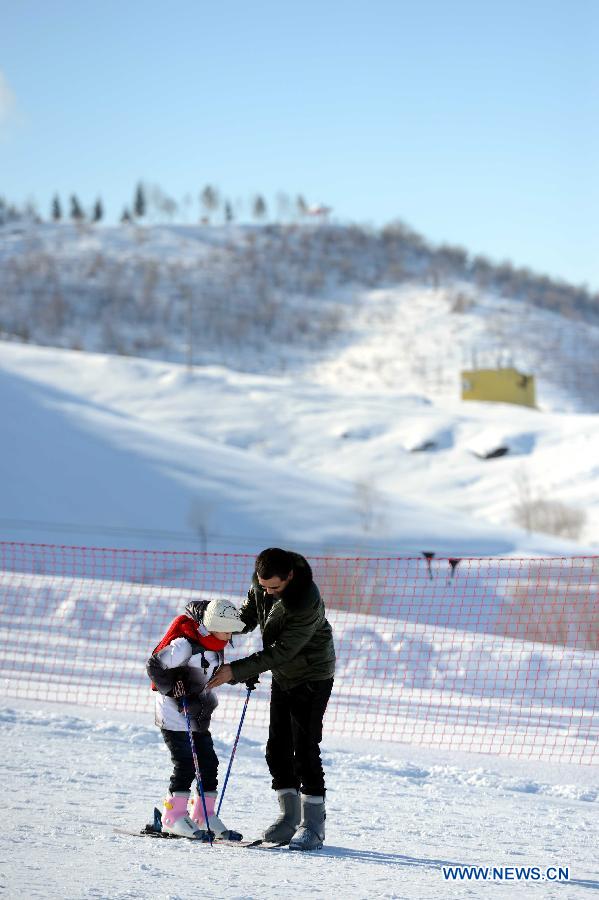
[[178, 689], [200, 708]]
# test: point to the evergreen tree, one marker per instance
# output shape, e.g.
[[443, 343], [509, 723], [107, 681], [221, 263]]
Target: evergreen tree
[[98, 211], [209, 199], [139, 203], [259, 207], [56, 209], [126, 216], [77, 214], [302, 206], [228, 212]]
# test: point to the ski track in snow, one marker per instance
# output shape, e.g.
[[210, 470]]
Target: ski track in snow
[[396, 815]]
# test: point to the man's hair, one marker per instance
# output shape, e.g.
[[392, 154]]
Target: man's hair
[[274, 563]]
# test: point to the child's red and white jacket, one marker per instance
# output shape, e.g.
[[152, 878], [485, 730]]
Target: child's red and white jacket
[[187, 653]]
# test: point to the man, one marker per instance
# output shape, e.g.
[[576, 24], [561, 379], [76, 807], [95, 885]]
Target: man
[[298, 648]]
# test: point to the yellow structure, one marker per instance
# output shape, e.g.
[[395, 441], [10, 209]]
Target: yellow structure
[[499, 385]]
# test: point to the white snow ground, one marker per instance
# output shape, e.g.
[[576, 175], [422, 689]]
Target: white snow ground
[[396, 816], [397, 813]]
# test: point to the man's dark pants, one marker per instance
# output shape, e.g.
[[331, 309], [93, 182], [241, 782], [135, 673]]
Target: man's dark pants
[[292, 751]]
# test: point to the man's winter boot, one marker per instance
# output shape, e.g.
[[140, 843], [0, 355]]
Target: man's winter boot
[[310, 834], [283, 828], [216, 825], [175, 819]]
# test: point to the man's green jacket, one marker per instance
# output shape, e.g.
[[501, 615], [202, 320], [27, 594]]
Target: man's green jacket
[[296, 636]]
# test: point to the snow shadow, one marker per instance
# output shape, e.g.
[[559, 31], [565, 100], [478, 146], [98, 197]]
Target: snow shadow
[[421, 862]]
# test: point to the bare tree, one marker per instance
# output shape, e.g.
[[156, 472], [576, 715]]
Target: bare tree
[[198, 517], [169, 207], [283, 205], [536, 513], [369, 506], [164, 205], [186, 205]]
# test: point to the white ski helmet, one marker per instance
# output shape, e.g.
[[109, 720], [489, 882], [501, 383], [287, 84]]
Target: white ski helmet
[[222, 615]]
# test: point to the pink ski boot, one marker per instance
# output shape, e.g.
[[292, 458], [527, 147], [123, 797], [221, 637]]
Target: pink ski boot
[[221, 832], [175, 819]]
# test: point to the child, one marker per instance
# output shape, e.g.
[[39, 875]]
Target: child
[[190, 651]]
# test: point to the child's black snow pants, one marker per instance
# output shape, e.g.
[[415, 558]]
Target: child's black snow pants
[[182, 757]]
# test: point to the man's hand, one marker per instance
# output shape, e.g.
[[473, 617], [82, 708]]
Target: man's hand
[[221, 676]]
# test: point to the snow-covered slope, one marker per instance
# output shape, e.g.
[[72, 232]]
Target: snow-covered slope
[[100, 449], [323, 408], [353, 306], [395, 818]]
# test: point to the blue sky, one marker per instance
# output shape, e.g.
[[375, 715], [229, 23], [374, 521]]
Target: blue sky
[[475, 122]]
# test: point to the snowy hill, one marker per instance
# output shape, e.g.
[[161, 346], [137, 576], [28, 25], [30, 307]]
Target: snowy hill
[[374, 310]]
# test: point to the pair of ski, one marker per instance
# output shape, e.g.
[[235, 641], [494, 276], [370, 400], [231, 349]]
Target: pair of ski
[[148, 831], [155, 831]]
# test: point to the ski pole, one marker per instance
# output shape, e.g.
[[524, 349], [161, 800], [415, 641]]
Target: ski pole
[[251, 686], [197, 767]]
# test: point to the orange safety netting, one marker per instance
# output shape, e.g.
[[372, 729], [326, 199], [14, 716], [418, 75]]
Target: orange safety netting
[[482, 655]]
